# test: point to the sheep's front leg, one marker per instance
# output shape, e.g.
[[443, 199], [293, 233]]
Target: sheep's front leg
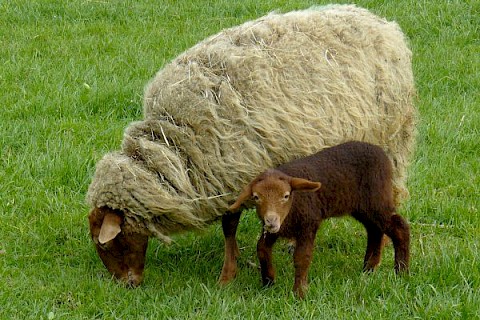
[[264, 253], [302, 257], [229, 226]]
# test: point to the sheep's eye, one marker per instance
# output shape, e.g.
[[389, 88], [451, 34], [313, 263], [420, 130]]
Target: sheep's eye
[[255, 197], [286, 196]]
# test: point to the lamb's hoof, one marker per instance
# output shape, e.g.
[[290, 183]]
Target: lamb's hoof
[[402, 269], [225, 279], [368, 269], [268, 282], [300, 291]]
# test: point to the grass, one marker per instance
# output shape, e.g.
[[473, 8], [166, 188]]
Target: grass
[[72, 77]]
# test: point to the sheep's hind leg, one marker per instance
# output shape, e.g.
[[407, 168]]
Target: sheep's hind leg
[[229, 226], [399, 231], [264, 254]]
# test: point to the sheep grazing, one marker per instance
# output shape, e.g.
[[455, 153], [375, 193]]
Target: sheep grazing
[[353, 178], [246, 99]]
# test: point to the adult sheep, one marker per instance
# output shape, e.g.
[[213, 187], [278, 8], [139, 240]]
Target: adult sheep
[[246, 99]]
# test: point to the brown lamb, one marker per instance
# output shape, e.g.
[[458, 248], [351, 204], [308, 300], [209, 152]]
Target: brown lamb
[[353, 178]]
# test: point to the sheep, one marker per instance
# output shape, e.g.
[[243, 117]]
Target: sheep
[[246, 99], [353, 178]]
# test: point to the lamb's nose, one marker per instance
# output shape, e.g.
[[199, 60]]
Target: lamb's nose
[[270, 220], [272, 223]]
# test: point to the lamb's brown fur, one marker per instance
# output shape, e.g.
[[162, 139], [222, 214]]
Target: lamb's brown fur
[[353, 178], [252, 97]]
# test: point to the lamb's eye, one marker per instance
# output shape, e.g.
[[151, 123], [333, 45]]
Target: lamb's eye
[[255, 198], [286, 196]]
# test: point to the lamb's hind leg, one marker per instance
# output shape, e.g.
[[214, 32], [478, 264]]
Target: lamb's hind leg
[[375, 242], [398, 230], [229, 226]]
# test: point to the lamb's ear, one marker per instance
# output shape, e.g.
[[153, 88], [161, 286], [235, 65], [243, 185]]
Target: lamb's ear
[[300, 184], [244, 195], [110, 227]]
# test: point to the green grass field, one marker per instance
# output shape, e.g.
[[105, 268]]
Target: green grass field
[[72, 75]]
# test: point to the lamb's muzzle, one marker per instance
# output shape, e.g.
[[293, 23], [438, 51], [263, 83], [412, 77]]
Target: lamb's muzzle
[[271, 222]]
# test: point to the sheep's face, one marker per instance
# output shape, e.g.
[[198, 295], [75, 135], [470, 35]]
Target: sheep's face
[[273, 192], [122, 254]]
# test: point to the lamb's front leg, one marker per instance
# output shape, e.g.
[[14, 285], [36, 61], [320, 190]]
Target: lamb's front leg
[[229, 226], [302, 257], [264, 253]]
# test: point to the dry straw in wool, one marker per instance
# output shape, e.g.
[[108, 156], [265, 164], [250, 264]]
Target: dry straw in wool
[[252, 97]]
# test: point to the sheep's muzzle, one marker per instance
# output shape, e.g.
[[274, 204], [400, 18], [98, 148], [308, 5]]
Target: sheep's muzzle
[[123, 254]]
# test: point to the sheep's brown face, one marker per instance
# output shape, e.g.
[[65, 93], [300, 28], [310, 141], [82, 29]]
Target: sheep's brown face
[[272, 193], [122, 254]]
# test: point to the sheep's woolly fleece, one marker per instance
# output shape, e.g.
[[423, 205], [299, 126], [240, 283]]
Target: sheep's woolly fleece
[[252, 97]]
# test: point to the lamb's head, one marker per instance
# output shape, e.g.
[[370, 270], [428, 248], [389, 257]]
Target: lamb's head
[[122, 253], [272, 192]]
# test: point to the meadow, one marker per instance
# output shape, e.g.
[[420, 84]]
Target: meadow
[[72, 75]]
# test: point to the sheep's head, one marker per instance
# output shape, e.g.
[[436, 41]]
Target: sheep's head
[[272, 192], [122, 253]]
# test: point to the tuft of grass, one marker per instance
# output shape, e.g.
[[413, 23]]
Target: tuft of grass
[[72, 79]]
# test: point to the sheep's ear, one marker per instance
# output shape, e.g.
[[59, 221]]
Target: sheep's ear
[[300, 184], [244, 195], [110, 227]]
